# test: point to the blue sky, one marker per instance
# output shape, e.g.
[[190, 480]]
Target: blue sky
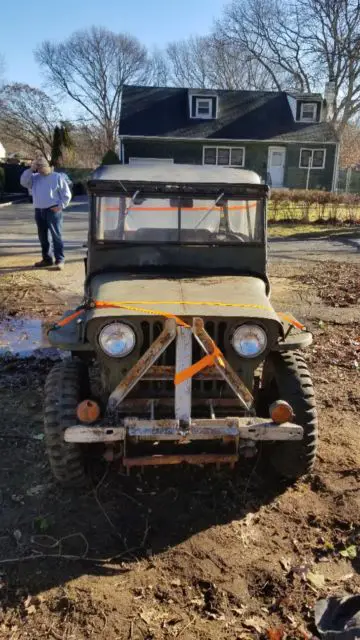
[[24, 24]]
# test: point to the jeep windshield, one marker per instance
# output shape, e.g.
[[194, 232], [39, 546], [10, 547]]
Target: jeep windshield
[[179, 220]]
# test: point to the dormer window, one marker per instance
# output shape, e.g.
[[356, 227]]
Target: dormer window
[[308, 112], [203, 106]]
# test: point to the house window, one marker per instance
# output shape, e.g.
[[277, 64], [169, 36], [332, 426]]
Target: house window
[[224, 156], [308, 112], [210, 155], [203, 108], [313, 158]]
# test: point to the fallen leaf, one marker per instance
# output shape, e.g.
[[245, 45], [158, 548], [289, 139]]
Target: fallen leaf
[[35, 491], [349, 552], [17, 535], [275, 634], [214, 616], [345, 578], [302, 570], [30, 610], [197, 602], [286, 564], [27, 602], [316, 579], [38, 436], [148, 616], [328, 546], [254, 623]]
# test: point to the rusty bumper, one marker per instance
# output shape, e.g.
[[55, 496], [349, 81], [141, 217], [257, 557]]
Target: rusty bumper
[[246, 428]]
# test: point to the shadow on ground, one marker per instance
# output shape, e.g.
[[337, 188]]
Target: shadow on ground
[[116, 522]]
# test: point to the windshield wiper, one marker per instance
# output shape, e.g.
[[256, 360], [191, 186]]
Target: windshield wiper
[[210, 210]]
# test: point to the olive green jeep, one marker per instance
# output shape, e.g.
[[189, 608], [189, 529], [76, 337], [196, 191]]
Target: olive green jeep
[[189, 361]]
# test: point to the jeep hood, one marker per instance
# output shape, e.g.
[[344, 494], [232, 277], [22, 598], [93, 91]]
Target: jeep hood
[[227, 296]]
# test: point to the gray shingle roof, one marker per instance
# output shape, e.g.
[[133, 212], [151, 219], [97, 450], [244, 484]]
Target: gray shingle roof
[[242, 115]]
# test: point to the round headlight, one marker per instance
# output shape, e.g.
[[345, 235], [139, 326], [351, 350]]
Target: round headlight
[[117, 339], [249, 340]]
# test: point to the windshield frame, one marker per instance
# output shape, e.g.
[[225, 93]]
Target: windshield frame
[[259, 195]]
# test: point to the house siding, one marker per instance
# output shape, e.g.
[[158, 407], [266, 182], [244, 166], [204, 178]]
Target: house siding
[[295, 178], [256, 157]]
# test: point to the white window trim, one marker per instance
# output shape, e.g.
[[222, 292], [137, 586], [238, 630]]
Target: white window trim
[[217, 155], [312, 156], [315, 108], [203, 116]]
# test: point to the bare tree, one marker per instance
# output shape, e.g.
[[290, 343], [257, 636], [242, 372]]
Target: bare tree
[[189, 62], [301, 44], [350, 147], [28, 116], [212, 62], [333, 38], [91, 68], [159, 75]]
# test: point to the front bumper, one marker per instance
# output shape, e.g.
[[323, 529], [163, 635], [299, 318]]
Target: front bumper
[[245, 428], [237, 433]]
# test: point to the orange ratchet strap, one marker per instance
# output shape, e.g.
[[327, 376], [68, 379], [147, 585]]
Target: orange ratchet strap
[[295, 323], [216, 357], [99, 304], [73, 316]]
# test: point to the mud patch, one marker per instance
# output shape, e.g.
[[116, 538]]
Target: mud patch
[[22, 337]]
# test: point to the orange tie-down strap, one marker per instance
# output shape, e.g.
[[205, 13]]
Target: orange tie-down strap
[[216, 357], [129, 306], [211, 359]]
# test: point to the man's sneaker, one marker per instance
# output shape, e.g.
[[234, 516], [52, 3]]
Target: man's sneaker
[[43, 263], [59, 266]]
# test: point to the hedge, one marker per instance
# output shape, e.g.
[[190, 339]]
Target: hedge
[[313, 206]]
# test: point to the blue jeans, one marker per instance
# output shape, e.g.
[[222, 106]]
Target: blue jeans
[[46, 221]]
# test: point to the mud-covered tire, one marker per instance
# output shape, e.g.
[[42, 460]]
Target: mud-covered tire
[[66, 385], [286, 376]]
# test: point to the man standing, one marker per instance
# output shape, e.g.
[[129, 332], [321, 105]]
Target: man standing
[[51, 194]]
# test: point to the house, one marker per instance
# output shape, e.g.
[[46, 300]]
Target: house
[[285, 137]]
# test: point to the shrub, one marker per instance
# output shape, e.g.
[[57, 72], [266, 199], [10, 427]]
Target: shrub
[[314, 206], [2, 179], [110, 157]]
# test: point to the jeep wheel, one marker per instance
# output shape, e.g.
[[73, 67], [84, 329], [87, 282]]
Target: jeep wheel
[[66, 385], [286, 377]]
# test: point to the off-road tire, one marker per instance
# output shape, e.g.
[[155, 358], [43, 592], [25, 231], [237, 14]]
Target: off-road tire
[[66, 385], [286, 376]]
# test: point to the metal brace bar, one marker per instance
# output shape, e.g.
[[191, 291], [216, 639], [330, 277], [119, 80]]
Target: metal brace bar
[[143, 365], [227, 372], [183, 361]]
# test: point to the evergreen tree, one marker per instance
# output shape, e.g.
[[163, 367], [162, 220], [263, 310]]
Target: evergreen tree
[[110, 157], [57, 145]]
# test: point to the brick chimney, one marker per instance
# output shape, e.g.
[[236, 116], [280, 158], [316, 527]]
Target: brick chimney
[[329, 100]]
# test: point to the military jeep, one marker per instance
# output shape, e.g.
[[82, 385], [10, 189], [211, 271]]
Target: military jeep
[[187, 358]]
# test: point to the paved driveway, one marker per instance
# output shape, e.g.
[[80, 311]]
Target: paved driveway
[[18, 237]]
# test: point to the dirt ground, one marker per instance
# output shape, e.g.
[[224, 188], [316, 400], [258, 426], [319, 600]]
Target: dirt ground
[[190, 554]]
